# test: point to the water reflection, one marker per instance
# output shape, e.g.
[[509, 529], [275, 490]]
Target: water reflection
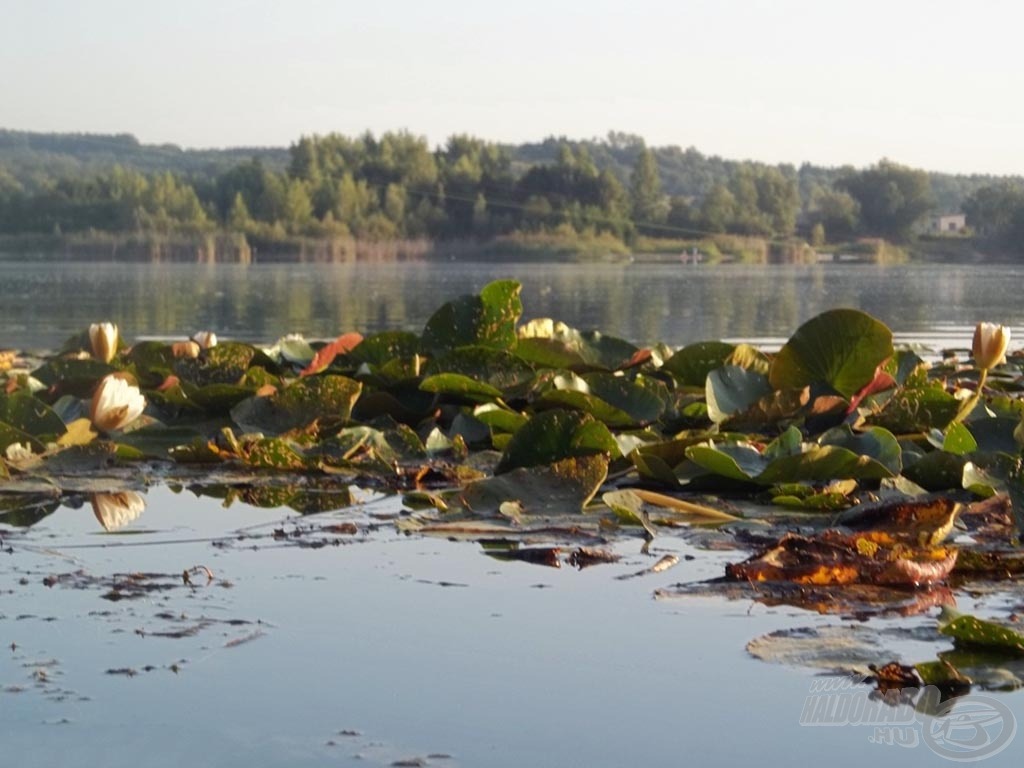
[[643, 303], [116, 510]]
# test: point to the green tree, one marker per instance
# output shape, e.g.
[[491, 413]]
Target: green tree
[[992, 210], [238, 219], [718, 209], [836, 211], [892, 198], [645, 190]]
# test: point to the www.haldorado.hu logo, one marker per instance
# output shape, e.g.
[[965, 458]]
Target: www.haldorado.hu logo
[[964, 729]]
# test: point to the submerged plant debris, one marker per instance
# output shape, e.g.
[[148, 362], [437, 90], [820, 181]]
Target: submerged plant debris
[[848, 476]]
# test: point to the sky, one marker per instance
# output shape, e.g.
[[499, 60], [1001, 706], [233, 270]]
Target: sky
[[932, 84]]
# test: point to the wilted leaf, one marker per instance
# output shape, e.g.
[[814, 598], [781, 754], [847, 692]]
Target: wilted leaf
[[835, 558], [326, 354], [562, 487]]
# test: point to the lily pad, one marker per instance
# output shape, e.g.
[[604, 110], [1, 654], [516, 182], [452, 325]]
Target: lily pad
[[692, 364], [487, 320], [841, 348], [562, 487], [551, 436], [327, 399]]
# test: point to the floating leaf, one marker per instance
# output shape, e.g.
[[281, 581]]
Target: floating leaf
[[70, 376], [972, 632], [614, 400], [917, 408], [31, 415], [464, 387], [692, 364], [731, 390], [959, 440], [841, 348], [326, 399], [326, 354], [551, 436], [835, 558], [381, 348], [550, 344], [487, 320], [562, 487], [226, 363]]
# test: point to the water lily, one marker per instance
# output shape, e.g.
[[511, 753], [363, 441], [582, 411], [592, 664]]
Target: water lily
[[103, 338], [16, 452], [116, 510], [990, 343], [115, 404], [205, 339]]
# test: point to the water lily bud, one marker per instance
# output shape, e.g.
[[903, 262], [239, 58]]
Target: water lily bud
[[115, 404], [116, 510], [188, 349], [18, 452], [103, 338], [990, 343], [205, 339]]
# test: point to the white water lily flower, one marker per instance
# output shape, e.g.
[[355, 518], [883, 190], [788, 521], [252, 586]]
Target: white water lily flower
[[116, 510], [103, 338], [990, 343], [115, 404], [18, 452], [205, 339]]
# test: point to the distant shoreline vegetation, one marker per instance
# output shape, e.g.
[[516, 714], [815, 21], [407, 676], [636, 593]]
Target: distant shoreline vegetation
[[335, 198]]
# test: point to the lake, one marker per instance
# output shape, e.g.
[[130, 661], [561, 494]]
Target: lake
[[41, 303], [335, 639]]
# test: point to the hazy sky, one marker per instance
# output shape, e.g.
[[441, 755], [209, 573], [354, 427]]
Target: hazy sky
[[930, 83]]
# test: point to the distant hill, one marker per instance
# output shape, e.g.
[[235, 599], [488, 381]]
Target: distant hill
[[35, 157]]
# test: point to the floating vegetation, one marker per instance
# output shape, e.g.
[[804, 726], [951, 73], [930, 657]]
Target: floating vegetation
[[859, 478]]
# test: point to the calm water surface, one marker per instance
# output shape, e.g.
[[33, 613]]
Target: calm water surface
[[42, 304], [387, 648]]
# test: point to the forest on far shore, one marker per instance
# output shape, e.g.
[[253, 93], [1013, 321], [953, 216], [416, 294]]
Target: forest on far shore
[[615, 191]]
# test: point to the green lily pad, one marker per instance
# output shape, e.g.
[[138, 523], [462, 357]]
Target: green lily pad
[[551, 344], [71, 376], [326, 398], [381, 348], [731, 389], [486, 320], [972, 632], [958, 440], [917, 408], [841, 348], [227, 363], [691, 365], [29, 414], [615, 400], [498, 368], [460, 386], [551, 436]]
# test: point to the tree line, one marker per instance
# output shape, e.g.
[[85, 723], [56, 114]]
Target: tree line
[[396, 186]]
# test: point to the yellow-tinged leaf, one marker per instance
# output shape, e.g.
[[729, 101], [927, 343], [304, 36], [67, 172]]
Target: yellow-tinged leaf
[[866, 547], [80, 432], [684, 507]]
